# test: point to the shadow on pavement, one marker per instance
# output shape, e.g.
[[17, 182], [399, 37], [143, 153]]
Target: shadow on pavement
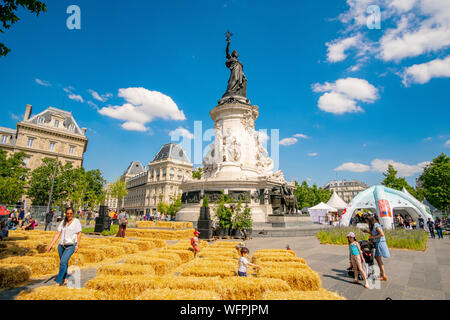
[[340, 275]]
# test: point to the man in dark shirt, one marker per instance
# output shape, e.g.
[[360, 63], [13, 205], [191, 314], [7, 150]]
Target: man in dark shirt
[[421, 222], [49, 219], [430, 225]]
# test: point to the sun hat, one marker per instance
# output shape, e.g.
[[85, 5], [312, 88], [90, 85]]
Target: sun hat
[[351, 234], [196, 232]]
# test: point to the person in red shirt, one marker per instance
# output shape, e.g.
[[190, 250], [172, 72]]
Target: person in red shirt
[[194, 243]]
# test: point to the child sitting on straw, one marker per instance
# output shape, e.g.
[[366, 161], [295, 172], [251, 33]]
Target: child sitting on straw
[[244, 263], [356, 257]]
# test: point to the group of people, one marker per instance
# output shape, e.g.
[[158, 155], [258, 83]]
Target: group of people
[[356, 256], [157, 216], [17, 219]]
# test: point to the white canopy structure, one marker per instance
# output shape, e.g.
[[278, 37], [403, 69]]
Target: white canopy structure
[[384, 201], [336, 202], [318, 213]]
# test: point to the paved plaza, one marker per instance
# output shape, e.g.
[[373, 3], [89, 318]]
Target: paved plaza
[[412, 274]]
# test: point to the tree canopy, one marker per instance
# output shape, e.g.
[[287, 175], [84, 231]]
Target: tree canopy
[[392, 181], [13, 177], [310, 196], [436, 182], [8, 16]]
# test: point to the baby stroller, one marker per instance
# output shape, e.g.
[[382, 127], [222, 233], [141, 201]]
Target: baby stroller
[[367, 248]]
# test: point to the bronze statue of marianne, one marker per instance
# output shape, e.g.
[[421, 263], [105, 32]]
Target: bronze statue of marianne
[[237, 84]]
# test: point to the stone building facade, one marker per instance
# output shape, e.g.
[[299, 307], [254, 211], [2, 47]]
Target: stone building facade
[[52, 133], [347, 190], [158, 182]]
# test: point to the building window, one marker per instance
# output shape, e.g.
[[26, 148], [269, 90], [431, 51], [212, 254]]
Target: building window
[[56, 123], [164, 173], [52, 146], [4, 139], [40, 120], [71, 149], [72, 128], [30, 142]]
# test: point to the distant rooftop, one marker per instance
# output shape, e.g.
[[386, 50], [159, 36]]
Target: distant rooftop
[[171, 151]]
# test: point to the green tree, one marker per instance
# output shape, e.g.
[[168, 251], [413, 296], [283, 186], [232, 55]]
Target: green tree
[[174, 207], [41, 181], [310, 196], [13, 177], [223, 212], [242, 219], [118, 189], [197, 174], [8, 16], [392, 181], [436, 182]]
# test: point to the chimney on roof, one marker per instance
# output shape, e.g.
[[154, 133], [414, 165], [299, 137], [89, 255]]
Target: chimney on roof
[[28, 110]]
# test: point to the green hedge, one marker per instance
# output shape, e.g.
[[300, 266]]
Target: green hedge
[[112, 232], [399, 238]]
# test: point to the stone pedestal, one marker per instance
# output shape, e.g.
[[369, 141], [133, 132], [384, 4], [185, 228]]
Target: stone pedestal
[[284, 221]]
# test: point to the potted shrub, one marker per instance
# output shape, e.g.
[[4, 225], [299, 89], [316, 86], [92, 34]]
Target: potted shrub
[[243, 220], [224, 214], [204, 210]]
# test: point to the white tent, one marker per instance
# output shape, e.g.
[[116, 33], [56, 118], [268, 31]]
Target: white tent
[[336, 202], [318, 213], [406, 191]]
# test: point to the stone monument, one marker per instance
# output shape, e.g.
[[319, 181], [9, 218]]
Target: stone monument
[[237, 163]]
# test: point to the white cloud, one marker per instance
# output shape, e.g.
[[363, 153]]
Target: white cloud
[[15, 117], [313, 154], [42, 82], [143, 106], [447, 144], [134, 126], [93, 105], [353, 167], [97, 96], [76, 97], [301, 136], [181, 132], [380, 165], [427, 139], [288, 141], [337, 48], [422, 73], [342, 95], [404, 170]]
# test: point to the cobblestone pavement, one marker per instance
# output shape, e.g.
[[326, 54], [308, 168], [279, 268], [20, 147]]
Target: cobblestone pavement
[[413, 275]]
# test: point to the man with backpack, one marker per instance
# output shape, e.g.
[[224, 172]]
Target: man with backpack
[[123, 221], [421, 222], [430, 225]]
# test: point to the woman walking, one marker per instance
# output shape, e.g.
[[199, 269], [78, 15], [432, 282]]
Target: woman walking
[[69, 232], [438, 227], [381, 248]]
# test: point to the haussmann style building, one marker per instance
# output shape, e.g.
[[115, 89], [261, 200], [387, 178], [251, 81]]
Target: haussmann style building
[[158, 182], [347, 190], [52, 133]]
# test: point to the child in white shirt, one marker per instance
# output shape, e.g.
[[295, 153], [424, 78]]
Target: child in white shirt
[[244, 263]]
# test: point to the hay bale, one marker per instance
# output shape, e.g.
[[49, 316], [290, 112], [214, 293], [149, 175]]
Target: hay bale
[[143, 245], [127, 247], [75, 260], [208, 272], [162, 255], [111, 251], [277, 258], [13, 274], [126, 269], [226, 244], [39, 265], [13, 251], [178, 294], [271, 252], [304, 279], [122, 287], [283, 265], [161, 266], [145, 224], [185, 255], [248, 288], [188, 225], [320, 294], [196, 283], [60, 293], [91, 255]]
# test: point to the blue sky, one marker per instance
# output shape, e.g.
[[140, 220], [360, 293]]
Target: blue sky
[[357, 98]]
